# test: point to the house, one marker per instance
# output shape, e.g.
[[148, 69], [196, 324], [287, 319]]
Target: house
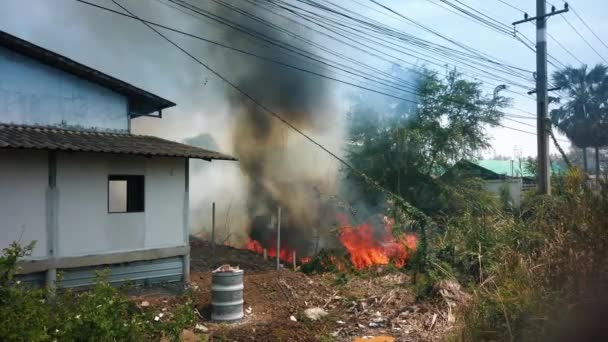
[[75, 180], [496, 175], [501, 175]]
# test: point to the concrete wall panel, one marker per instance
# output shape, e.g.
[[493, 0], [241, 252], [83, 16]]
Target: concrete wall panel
[[23, 188], [86, 227], [32, 93]]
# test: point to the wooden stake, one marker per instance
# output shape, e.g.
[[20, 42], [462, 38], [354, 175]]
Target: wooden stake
[[265, 253], [213, 233], [294, 260], [279, 239]]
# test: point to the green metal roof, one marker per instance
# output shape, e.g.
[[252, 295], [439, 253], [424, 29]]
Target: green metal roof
[[511, 168]]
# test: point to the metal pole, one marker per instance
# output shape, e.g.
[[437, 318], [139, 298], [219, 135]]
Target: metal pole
[[279, 239], [544, 185], [213, 233]]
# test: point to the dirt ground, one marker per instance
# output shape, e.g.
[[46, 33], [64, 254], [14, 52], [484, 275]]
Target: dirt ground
[[375, 303]]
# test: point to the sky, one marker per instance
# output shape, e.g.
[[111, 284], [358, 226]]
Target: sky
[[127, 50]]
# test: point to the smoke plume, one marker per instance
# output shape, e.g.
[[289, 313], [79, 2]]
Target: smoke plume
[[269, 156]]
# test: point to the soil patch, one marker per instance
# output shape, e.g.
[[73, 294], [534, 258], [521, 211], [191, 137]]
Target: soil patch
[[373, 303]]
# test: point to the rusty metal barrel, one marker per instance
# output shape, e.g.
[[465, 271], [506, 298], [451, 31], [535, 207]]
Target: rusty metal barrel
[[227, 294]]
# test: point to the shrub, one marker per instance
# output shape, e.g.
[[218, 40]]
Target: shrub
[[530, 272], [102, 313]]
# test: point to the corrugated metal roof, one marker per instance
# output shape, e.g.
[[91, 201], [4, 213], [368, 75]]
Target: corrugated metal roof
[[50, 138], [140, 101], [512, 168], [509, 168]]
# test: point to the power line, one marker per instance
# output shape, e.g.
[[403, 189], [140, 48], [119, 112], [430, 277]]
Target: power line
[[548, 34], [528, 132], [507, 117], [150, 24], [400, 82], [308, 41], [585, 40], [291, 20], [194, 36], [411, 209], [266, 38], [415, 70], [520, 122], [248, 53], [368, 49], [238, 27], [529, 45], [480, 17], [425, 28], [589, 28], [564, 48], [517, 129], [287, 65], [513, 7], [379, 28], [499, 26], [194, 8], [520, 116]]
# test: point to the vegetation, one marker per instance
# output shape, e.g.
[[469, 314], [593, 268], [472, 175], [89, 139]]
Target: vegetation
[[405, 144], [532, 270], [532, 273], [583, 117], [101, 314]]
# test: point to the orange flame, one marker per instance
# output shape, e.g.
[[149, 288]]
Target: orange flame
[[286, 252], [368, 247]]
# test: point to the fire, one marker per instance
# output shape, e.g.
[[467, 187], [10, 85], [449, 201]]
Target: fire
[[286, 252], [255, 246], [369, 246]]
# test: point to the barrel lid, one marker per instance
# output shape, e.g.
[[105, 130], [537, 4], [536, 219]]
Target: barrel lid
[[227, 270]]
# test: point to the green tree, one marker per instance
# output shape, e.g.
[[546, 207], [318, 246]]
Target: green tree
[[583, 117], [406, 144]]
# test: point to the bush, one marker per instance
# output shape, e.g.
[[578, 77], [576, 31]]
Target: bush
[[100, 314], [531, 271]]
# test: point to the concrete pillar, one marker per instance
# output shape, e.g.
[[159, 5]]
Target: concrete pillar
[[186, 219], [52, 199]]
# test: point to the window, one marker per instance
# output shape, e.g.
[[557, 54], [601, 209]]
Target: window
[[125, 194]]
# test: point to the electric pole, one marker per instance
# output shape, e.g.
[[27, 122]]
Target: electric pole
[[542, 121]]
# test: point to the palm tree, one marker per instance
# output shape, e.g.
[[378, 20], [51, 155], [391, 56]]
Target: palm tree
[[583, 118]]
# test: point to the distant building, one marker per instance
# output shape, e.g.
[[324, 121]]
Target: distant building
[[499, 175], [75, 180]]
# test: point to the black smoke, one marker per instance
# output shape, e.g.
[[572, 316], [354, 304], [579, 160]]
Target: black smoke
[[261, 141]]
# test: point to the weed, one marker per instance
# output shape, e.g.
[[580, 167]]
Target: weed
[[522, 267], [341, 278]]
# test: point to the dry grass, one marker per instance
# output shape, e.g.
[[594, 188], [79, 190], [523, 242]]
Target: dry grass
[[545, 272]]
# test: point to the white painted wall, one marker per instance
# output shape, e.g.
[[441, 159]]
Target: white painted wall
[[32, 93], [513, 184], [86, 227], [23, 188]]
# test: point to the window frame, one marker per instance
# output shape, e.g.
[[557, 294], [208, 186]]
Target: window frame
[[127, 178]]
